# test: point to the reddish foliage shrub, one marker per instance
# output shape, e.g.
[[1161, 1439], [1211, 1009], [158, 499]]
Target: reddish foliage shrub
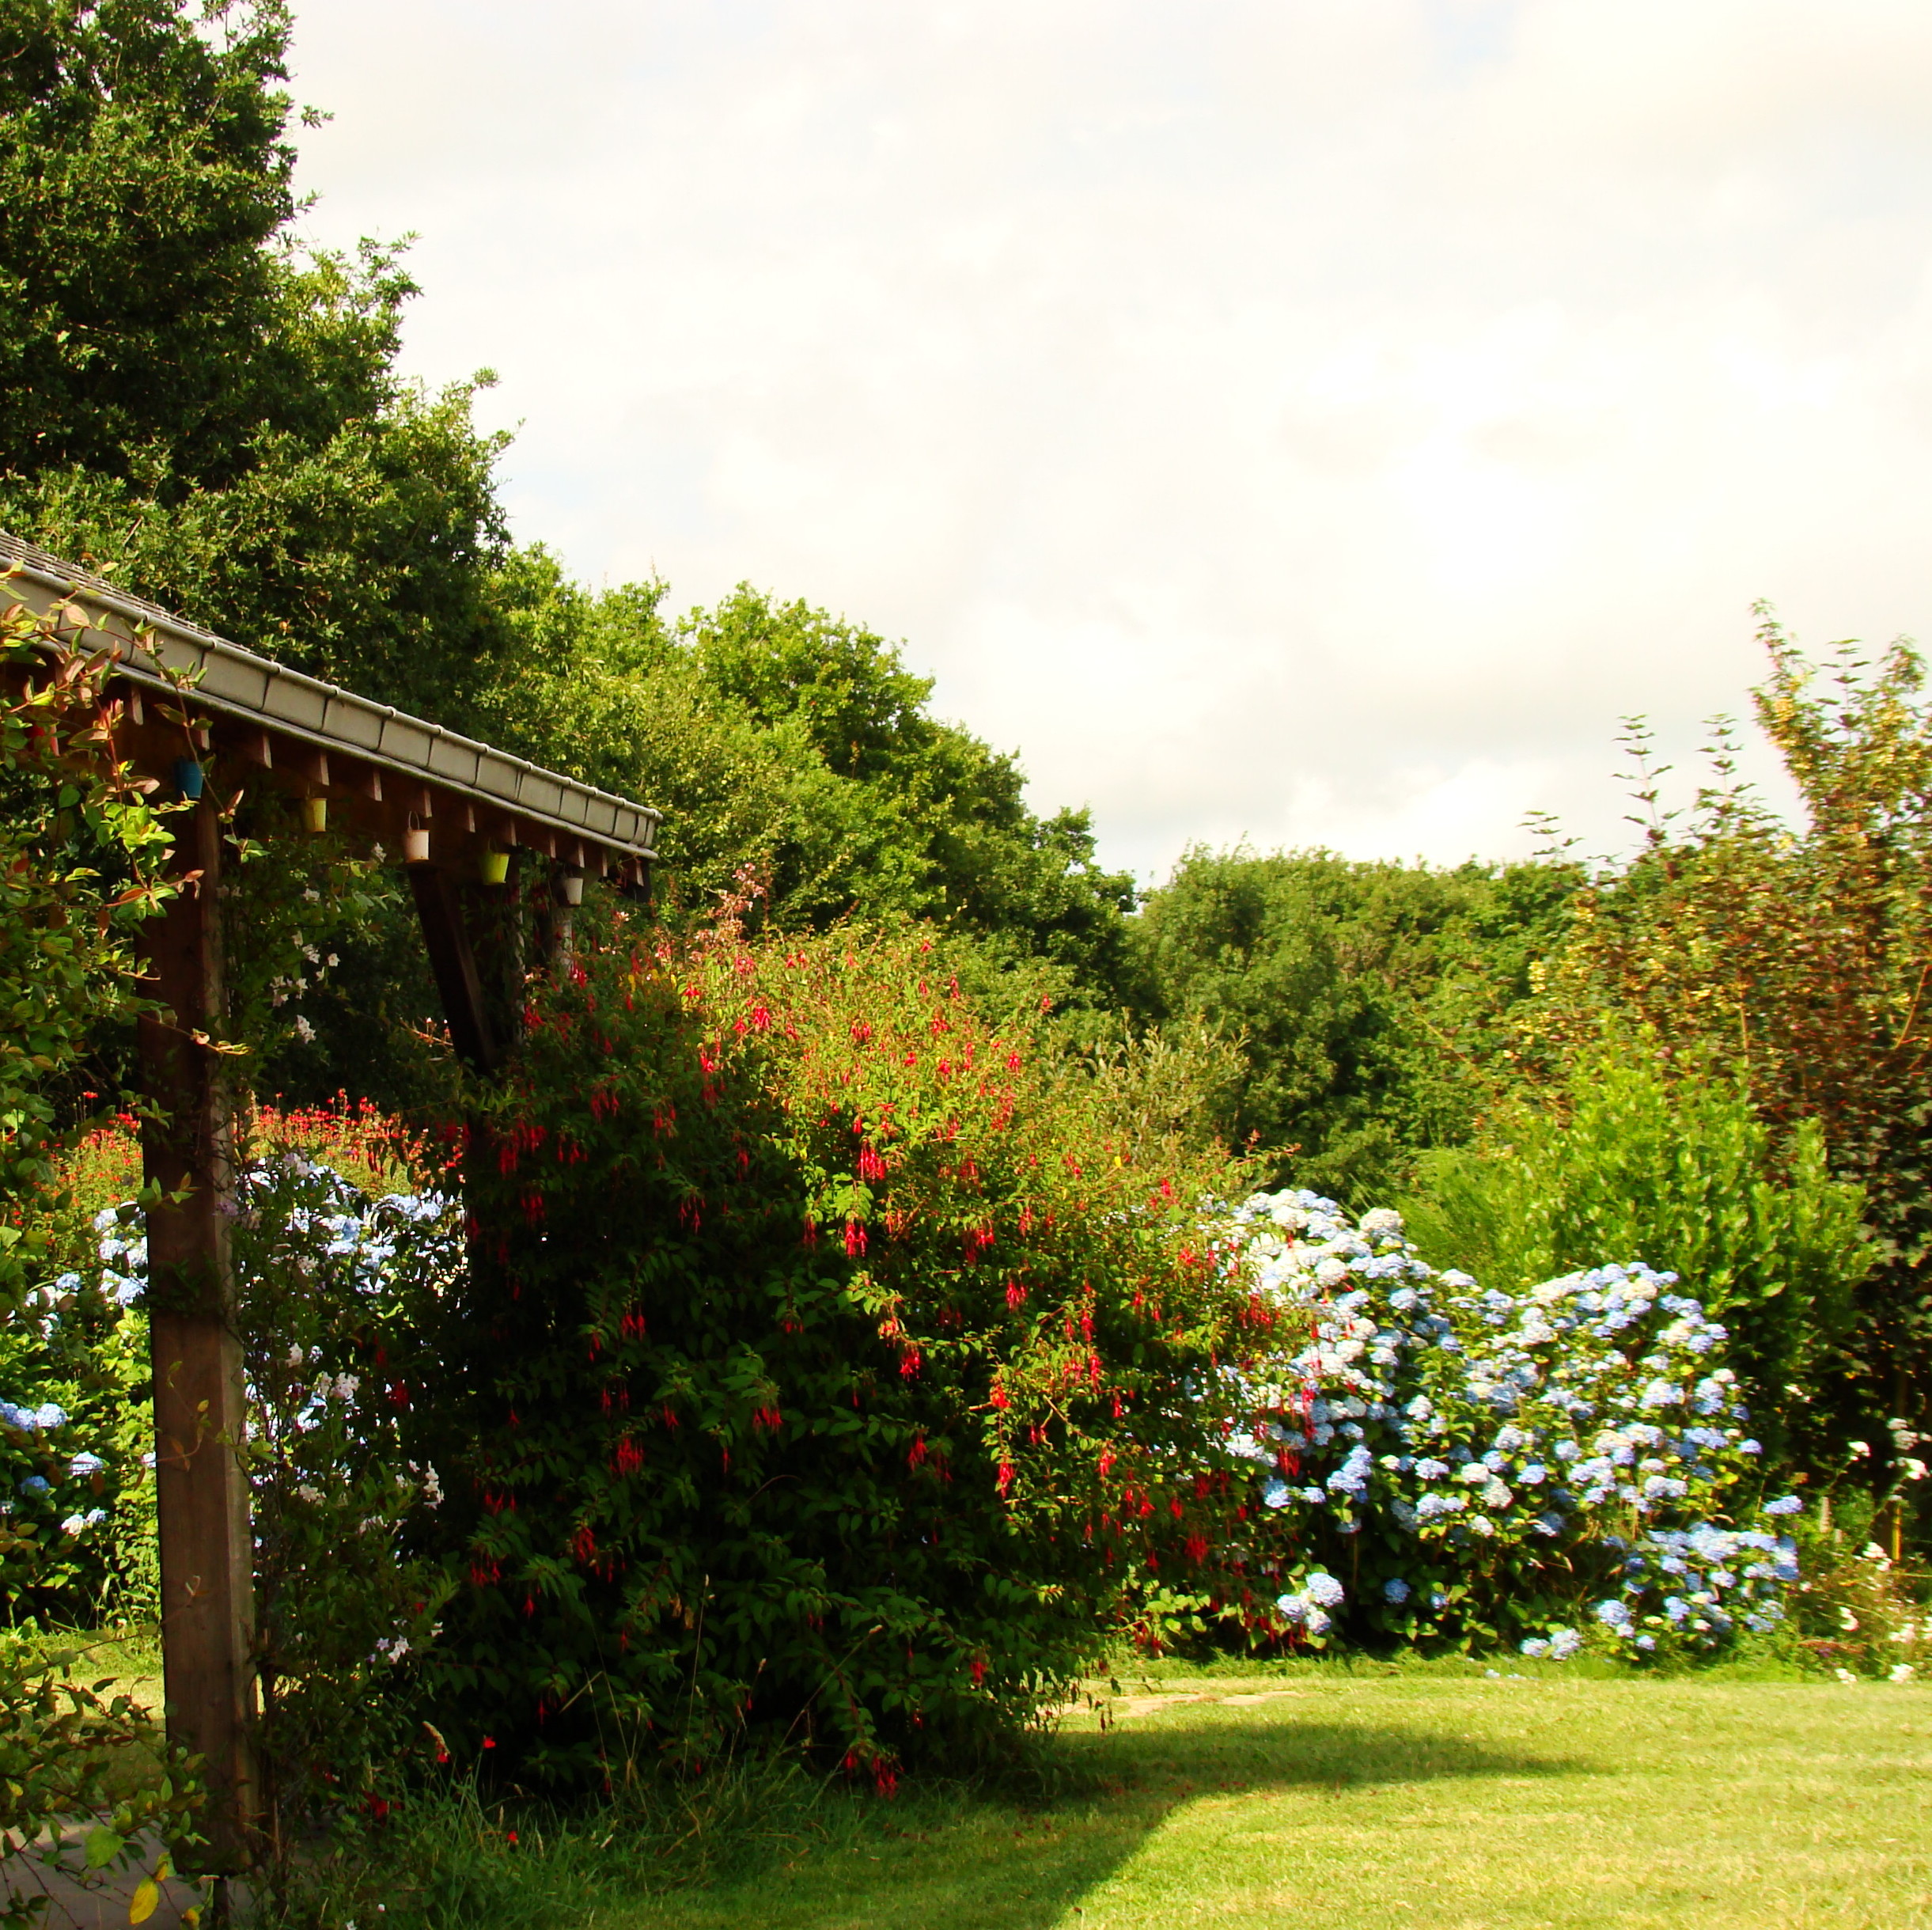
[[832, 1365]]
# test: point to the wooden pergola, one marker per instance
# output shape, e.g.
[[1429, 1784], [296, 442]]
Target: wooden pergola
[[453, 809]]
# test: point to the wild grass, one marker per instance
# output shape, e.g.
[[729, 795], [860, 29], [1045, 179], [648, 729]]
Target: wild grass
[[1360, 1797]]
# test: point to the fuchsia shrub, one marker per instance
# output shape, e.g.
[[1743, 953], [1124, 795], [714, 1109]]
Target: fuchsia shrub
[[833, 1367]]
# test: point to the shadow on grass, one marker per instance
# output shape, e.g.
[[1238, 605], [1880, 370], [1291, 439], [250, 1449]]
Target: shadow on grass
[[784, 1850], [959, 1863]]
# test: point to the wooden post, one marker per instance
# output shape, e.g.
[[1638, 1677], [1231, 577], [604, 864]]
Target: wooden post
[[201, 1490]]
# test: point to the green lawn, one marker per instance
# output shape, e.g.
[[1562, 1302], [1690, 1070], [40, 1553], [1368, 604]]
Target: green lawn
[[1352, 1803]]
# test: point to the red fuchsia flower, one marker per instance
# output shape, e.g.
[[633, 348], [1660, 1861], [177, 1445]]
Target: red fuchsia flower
[[1006, 1476], [854, 1239], [915, 1455], [1015, 1295], [870, 1166], [910, 1361], [979, 1671], [810, 1237], [761, 1019], [1107, 1461], [998, 1396]]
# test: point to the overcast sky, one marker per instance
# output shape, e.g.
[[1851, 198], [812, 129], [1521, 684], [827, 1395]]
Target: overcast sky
[[1315, 421]]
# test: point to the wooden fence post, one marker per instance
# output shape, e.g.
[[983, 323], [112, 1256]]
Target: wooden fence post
[[201, 1488]]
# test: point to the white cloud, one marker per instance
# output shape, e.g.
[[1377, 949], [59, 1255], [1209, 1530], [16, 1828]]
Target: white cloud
[[1311, 420]]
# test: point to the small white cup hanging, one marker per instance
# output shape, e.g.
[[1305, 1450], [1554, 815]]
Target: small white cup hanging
[[570, 886], [415, 842]]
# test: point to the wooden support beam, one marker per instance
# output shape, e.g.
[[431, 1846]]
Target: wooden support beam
[[201, 1490], [453, 963], [308, 762]]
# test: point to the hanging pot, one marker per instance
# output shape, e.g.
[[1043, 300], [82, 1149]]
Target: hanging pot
[[570, 886], [315, 813], [493, 866], [188, 777], [416, 843]]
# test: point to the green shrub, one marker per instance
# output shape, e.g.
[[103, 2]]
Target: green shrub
[[71, 1754], [834, 1363], [1635, 1160]]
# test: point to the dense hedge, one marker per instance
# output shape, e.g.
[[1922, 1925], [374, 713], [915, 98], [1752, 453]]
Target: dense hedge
[[831, 1362]]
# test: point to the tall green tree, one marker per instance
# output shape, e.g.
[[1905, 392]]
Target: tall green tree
[[1801, 956], [193, 403], [775, 735], [1367, 998]]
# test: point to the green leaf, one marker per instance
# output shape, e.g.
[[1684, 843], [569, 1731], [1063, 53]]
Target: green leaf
[[104, 1845]]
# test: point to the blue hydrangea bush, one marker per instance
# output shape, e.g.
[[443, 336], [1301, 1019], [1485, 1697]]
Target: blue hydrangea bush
[[1567, 1467], [335, 1277], [76, 1500]]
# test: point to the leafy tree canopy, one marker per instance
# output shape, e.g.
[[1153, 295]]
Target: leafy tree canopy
[[776, 735], [1800, 958], [1367, 996], [193, 403]]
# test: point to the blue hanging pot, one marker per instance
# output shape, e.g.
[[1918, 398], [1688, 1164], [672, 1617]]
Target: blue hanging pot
[[188, 778]]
